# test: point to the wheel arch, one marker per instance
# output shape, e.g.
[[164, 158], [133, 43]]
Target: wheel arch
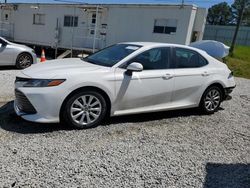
[[219, 85], [87, 88], [24, 52]]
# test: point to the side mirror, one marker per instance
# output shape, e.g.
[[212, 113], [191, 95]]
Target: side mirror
[[135, 67]]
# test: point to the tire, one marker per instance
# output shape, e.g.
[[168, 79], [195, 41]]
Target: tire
[[84, 110], [211, 100], [24, 60]]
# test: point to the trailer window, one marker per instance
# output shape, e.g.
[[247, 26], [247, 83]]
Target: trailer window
[[70, 21], [165, 26], [6, 17], [39, 19], [93, 21]]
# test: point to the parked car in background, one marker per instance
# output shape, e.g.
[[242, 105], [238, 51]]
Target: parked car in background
[[17, 55], [126, 78]]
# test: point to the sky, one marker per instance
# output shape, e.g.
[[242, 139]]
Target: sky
[[201, 3]]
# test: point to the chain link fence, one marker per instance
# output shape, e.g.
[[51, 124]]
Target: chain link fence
[[225, 34]]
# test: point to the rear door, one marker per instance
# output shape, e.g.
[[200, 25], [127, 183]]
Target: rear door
[[191, 76]]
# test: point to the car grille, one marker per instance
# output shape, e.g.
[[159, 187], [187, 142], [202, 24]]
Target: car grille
[[23, 103]]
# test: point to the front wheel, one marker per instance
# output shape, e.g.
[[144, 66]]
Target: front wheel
[[24, 60], [211, 100], [85, 109]]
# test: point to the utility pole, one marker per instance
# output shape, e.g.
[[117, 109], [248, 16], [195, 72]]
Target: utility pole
[[96, 25], [241, 12], [182, 3]]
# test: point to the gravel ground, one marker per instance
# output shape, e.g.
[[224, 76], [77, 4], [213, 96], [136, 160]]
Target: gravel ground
[[168, 149], [7, 78]]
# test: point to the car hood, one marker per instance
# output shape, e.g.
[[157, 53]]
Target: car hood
[[61, 68]]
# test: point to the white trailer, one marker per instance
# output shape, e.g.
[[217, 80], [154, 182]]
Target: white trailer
[[87, 27]]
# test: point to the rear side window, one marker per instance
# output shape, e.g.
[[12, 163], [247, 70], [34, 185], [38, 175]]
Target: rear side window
[[186, 58]]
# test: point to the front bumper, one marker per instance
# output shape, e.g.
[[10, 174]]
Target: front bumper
[[227, 92], [46, 104], [34, 57]]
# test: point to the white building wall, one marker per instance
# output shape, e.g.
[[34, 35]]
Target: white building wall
[[6, 20], [26, 31], [200, 22], [137, 24], [119, 22], [190, 25]]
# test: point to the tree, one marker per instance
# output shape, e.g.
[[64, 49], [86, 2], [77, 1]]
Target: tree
[[219, 14], [236, 10], [239, 7]]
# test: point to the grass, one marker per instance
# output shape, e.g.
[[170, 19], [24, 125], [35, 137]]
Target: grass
[[239, 63]]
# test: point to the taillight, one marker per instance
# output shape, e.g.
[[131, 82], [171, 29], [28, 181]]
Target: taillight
[[231, 74]]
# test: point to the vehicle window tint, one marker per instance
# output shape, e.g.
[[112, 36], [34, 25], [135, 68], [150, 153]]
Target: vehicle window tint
[[202, 61], [112, 55], [157, 58], [188, 59]]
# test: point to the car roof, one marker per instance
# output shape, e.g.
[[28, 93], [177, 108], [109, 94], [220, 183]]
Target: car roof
[[155, 44], [158, 44]]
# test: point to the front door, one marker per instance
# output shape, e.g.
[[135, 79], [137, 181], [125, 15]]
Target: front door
[[6, 54], [149, 90]]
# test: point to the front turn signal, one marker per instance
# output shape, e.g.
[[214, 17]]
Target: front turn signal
[[55, 83]]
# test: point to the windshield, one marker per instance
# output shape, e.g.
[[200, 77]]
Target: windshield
[[111, 55]]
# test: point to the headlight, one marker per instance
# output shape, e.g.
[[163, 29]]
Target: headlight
[[26, 82]]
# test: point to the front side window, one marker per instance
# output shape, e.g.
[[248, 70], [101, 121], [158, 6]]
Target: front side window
[[186, 58], [157, 58], [111, 55], [39, 19], [70, 21]]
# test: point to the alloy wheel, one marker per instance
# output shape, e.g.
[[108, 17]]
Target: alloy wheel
[[24, 61], [212, 100], [86, 109]]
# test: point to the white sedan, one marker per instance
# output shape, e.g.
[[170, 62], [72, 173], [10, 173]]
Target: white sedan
[[126, 78], [17, 55]]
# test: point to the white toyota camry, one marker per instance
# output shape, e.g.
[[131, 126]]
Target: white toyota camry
[[126, 78]]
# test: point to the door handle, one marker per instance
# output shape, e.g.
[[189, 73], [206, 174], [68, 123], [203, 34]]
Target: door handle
[[167, 76], [205, 74]]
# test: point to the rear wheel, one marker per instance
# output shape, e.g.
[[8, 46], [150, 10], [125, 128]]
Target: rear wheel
[[85, 109], [24, 60], [211, 100]]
